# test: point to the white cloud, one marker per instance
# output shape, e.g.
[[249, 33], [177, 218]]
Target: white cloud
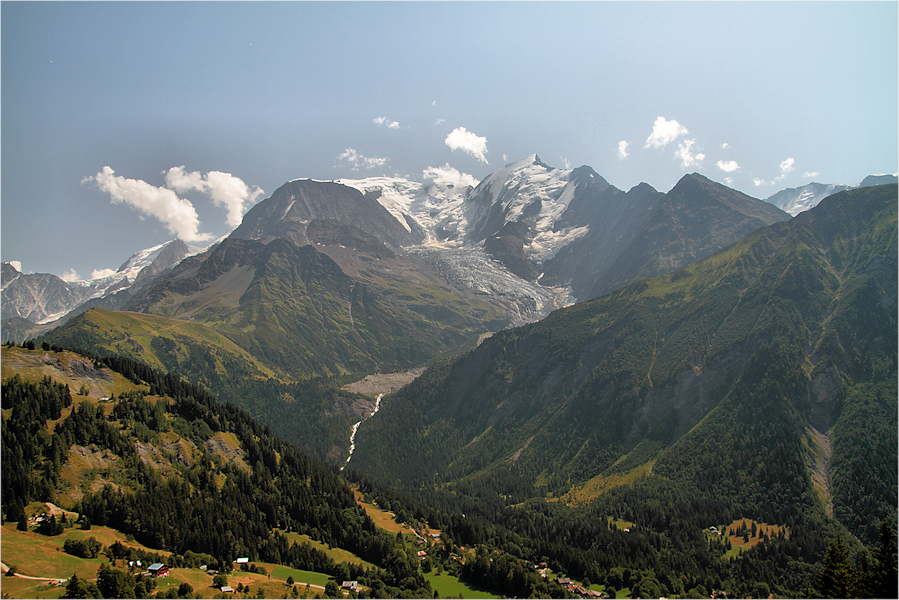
[[447, 175], [758, 181], [811, 174], [439, 121], [565, 162], [664, 132], [686, 156], [384, 121], [467, 141], [70, 276], [785, 167], [225, 190], [622, 150], [728, 166], [357, 161], [505, 158], [102, 273], [178, 215], [729, 181], [725, 146], [434, 103], [17, 265]]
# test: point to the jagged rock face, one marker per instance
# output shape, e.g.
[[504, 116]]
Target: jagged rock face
[[38, 297], [42, 298], [287, 213], [797, 200], [695, 219], [617, 216]]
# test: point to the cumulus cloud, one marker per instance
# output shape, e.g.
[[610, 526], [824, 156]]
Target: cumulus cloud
[[385, 122], [357, 161], [177, 214], [462, 139], [811, 174], [664, 132], [686, 156], [725, 146], [70, 276], [622, 150], [785, 167], [728, 166], [17, 265], [758, 182], [102, 273], [225, 190], [447, 175]]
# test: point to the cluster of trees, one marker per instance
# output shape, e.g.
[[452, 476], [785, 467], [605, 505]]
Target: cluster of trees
[[31, 458], [211, 511], [666, 553], [210, 506], [842, 577], [117, 583], [89, 548]]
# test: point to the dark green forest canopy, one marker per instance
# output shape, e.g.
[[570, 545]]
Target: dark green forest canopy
[[732, 369]]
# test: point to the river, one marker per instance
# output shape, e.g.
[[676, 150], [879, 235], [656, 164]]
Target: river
[[355, 428]]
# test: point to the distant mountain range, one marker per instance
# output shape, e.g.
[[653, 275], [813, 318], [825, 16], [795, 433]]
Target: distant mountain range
[[796, 200], [36, 302], [400, 272]]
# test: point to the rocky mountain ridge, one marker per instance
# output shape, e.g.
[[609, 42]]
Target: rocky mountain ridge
[[36, 302], [532, 237]]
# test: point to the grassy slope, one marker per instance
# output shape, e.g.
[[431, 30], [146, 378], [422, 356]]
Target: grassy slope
[[163, 343]]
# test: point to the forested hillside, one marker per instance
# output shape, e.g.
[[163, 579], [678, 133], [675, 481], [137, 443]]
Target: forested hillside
[[185, 473], [765, 376]]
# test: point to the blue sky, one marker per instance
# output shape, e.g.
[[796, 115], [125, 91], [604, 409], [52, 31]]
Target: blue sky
[[100, 101]]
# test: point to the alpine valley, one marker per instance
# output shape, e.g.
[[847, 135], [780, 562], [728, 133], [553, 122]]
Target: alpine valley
[[555, 388]]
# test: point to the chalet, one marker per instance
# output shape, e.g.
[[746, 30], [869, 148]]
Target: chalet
[[158, 570], [349, 585], [563, 580]]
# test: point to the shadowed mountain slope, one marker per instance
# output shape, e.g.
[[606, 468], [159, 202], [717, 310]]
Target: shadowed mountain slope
[[762, 354]]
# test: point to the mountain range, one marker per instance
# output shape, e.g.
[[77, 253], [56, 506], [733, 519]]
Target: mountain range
[[665, 361], [779, 350], [324, 278], [537, 236]]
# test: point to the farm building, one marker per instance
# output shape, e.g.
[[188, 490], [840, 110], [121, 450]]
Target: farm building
[[158, 570]]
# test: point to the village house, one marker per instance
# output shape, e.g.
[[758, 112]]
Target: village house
[[349, 585], [158, 570]]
